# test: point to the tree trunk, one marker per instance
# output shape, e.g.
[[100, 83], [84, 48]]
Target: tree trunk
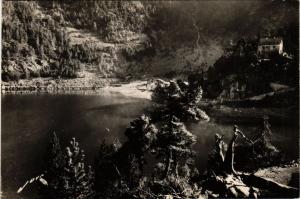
[[176, 165], [198, 32], [168, 165], [229, 158]]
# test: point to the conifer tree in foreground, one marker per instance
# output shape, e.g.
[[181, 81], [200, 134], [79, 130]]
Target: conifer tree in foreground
[[76, 181], [174, 143], [180, 99], [66, 174], [54, 167], [141, 134]]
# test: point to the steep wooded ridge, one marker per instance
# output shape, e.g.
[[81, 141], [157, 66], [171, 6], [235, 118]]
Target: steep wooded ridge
[[43, 39], [117, 39]]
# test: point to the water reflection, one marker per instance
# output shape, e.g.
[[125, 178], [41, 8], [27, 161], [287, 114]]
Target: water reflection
[[28, 120]]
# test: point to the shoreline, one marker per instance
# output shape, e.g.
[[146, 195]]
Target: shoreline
[[55, 84], [135, 89], [140, 89]]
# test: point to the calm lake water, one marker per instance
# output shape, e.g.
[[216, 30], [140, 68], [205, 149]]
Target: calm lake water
[[28, 121]]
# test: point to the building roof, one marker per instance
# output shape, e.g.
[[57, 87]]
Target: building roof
[[270, 41]]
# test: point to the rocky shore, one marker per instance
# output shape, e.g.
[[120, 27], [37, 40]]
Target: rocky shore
[[53, 85], [135, 89]]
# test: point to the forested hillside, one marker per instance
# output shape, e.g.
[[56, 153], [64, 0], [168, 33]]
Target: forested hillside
[[61, 39], [191, 36], [113, 39]]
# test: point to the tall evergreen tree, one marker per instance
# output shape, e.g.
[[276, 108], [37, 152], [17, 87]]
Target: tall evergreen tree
[[66, 174], [76, 181], [54, 167], [179, 99], [173, 143], [141, 135]]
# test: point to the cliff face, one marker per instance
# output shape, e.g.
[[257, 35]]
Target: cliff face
[[112, 39]]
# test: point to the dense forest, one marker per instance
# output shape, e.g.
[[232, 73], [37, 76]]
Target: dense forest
[[154, 38], [36, 41]]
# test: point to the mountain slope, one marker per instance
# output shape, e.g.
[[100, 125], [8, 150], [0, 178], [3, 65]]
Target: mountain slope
[[113, 39], [39, 41]]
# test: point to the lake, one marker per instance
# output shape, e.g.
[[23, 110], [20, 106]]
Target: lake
[[28, 121]]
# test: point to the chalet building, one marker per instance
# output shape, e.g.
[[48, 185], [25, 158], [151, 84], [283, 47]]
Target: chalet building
[[267, 46]]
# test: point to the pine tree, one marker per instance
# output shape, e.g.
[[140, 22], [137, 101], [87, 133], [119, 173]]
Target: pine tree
[[76, 181], [179, 99], [66, 173], [174, 142], [141, 135], [107, 175], [54, 167]]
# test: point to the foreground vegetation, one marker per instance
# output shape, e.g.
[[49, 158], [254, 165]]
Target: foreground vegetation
[[158, 160]]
